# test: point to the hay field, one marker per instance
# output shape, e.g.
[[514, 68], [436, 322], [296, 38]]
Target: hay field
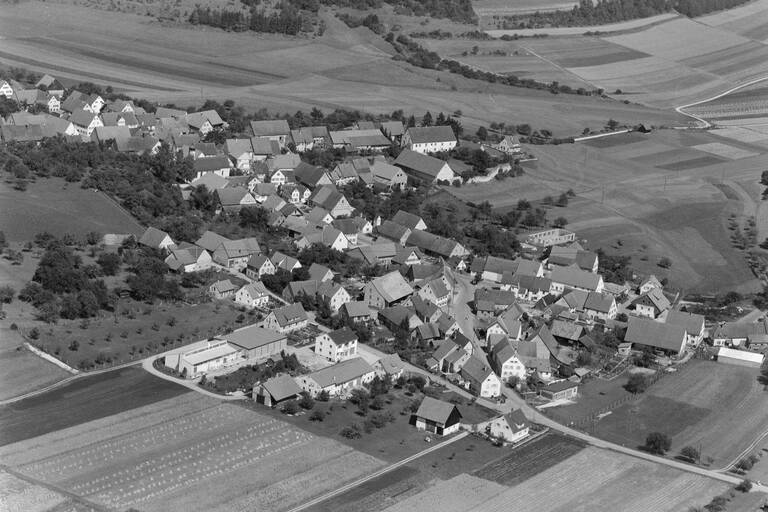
[[721, 407], [749, 20], [593, 479], [155, 458]]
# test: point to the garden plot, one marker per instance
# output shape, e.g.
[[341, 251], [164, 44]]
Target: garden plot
[[725, 151], [17, 495]]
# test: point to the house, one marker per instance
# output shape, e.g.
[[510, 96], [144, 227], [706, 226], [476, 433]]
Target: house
[[494, 269], [510, 145], [51, 84], [355, 311], [311, 176], [736, 334], [222, 289], [287, 318], [527, 288], [235, 254], [256, 342], [240, 151], [387, 290], [601, 306], [285, 262], [360, 140], [320, 272], [218, 164], [12, 133], [210, 241], [399, 318], [692, 323], [232, 199], [327, 236], [739, 357], [573, 254], [334, 295], [85, 122], [428, 333], [500, 299], [508, 429], [345, 173], [337, 345], [352, 227], [332, 200], [437, 417], [277, 130], [506, 362], [390, 367], [650, 283], [156, 239], [409, 220], [387, 175], [426, 310], [339, 379], [6, 89], [508, 325], [425, 168], [429, 139], [575, 278], [253, 295], [379, 253], [436, 245], [188, 258], [651, 304], [667, 338], [105, 134], [306, 138], [561, 390], [394, 130], [480, 378], [548, 238], [205, 357], [276, 390], [566, 331], [126, 119], [259, 265], [319, 216], [408, 256], [393, 231], [435, 291]]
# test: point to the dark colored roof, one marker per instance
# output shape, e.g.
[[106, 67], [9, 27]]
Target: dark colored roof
[[426, 134], [435, 410], [423, 164], [282, 387], [253, 337], [646, 331]]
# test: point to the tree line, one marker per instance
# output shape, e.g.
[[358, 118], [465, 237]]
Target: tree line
[[287, 20], [455, 10]]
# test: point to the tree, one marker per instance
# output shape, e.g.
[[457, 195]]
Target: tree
[[482, 133], [317, 415], [306, 401], [637, 383], [562, 201], [290, 407], [664, 262], [427, 119], [6, 294], [744, 486], [109, 262], [560, 222], [657, 443], [691, 453]]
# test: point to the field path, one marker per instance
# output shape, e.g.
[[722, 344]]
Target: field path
[[88, 505], [707, 124], [378, 473], [192, 385]]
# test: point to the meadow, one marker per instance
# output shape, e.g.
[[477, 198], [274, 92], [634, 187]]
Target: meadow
[[59, 207], [155, 458]]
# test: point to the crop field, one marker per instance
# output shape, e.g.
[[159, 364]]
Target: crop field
[[17, 495], [622, 26], [155, 457], [720, 407], [749, 20], [505, 7], [725, 151], [592, 479], [53, 205], [81, 401], [578, 51]]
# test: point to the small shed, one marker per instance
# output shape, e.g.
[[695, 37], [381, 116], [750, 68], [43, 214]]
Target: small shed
[[624, 349], [438, 417], [562, 390], [740, 357], [275, 390]]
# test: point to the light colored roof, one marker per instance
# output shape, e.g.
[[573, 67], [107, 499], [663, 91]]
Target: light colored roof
[[211, 241], [318, 272], [426, 134], [435, 410], [236, 147], [342, 372], [692, 322], [267, 128], [211, 181], [391, 364], [392, 286], [232, 196], [476, 370], [600, 302], [393, 128], [732, 330], [569, 330], [215, 352], [255, 289], [357, 308], [575, 277], [743, 355], [223, 286], [253, 337], [282, 387], [433, 243], [407, 219]]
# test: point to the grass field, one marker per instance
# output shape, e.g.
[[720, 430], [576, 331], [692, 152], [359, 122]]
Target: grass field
[[155, 458], [17, 495], [82, 400], [592, 479], [59, 207], [720, 407]]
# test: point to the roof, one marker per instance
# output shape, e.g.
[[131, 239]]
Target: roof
[[290, 314], [436, 410], [516, 420], [211, 181], [405, 252], [153, 237], [265, 146], [600, 302], [343, 335], [692, 322], [742, 355], [503, 352], [428, 331], [342, 372], [500, 297], [426, 134], [560, 385], [282, 387], [241, 247], [255, 289], [223, 286], [357, 308], [567, 330], [211, 241], [209, 354], [211, 163], [646, 331], [392, 286], [423, 164], [732, 330], [253, 337], [309, 175], [267, 128], [392, 128], [391, 364], [393, 231], [575, 277], [318, 272], [433, 243], [656, 297], [407, 219], [476, 370], [236, 147], [232, 196], [360, 138]]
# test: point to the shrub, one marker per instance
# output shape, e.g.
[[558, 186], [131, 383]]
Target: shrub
[[317, 416], [691, 453], [306, 401], [351, 432], [380, 419], [657, 443], [290, 407], [637, 383], [744, 486]]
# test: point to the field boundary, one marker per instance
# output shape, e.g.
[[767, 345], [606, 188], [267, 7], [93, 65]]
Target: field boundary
[[54, 488], [50, 358], [601, 135], [707, 124]]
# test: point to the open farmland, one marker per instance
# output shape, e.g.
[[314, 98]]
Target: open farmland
[[155, 456], [59, 207], [592, 479], [720, 407], [749, 20]]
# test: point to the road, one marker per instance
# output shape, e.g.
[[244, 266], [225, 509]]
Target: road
[[707, 124]]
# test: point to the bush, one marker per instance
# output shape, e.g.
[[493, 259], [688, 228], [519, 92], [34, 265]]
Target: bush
[[351, 432], [317, 416], [744, 486], [690, 453], [306, 401], [323, 396], [6, 294], [637, 383], [380, 419], [657, 443], [34, 333], [290, 407]]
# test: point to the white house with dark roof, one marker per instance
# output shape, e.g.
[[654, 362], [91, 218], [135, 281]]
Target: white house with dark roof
[[258, 266], [253, 295], [188, 258], [339, 379], [222, 289], [691, 322], [651, 304], [600, 306], [287, 318], [480, 378], [424, 167], [337, 345], [429, 139], [506, 361], [156, 239], [509, 429], [235, 254], [437, 417], [409, 220]]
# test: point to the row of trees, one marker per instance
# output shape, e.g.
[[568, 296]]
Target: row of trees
[[287, 20], [456, 10]]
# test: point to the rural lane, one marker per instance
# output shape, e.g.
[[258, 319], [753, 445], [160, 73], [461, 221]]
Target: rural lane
[[378, 473], [707, 124], [190, 384]]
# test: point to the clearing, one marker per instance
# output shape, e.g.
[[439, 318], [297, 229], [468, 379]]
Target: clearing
[[155, 458]]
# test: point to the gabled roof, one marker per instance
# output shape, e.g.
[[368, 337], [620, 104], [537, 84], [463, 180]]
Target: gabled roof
[[436, 410], [357, 309], [392, 287], [424, 308], [427, 134], [270, 128], [600, 302], [290, 314], [567, 330], [238, 147], [575, 277], [264, 146], [258, 261], [423, 164], [434, 243], [252, 337], [241, 247], [309, 175], [516, 420], [350, 226], [393, 128], [476, 370], [255, 289], [691, 322], [343, 335], [405, 252], [231, 196], [326, 196], [657, 298], [211, 241], [407, 219], [736, 330], [223, 286], [211, 163], [317, 214], [341, 373], [211, 181], [153, 237], [392, 230], [82, 117], [318, 272], [428, 331], [645, 331], [282, 387], [527, 282]]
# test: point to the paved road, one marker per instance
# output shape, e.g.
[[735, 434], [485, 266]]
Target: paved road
[[190, 384], [378, 473]]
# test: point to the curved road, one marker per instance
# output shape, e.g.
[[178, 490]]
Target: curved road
[[707, 124]]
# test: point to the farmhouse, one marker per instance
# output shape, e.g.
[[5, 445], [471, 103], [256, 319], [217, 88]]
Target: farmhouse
[[222, 289], [387, 290], [233, 199], [507, 324], [218, 164], [436, 245], [575, 278], [408, 256], [480, 378], [393, 231], [360, 140], [289, 263], [275, 390], [258, 266], [435, 291], [320, 272], [509, 429], [600, 306], [337, 345], [329, 198], [379, 253], [692, 323], [561, 390], [156, 239], [525, 287], [356, 311], [188, 258], [388, 175], [649, 284], [211, 355], [437, 417], [739, 357], [235, 254], [424, 167], [573, 254], [735, 334], [338, 379], [652, 303], [506, 361], [429, 139], [409, 220], [307, 137], [253, 295], [645, 332], [287, 319], [277, 130]]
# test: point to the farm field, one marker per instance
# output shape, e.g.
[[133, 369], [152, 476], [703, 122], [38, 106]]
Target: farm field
[[155, 457], [572, 31], [720, 407], [81, 401], [749, 20], [592, 479], [59, 207]]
